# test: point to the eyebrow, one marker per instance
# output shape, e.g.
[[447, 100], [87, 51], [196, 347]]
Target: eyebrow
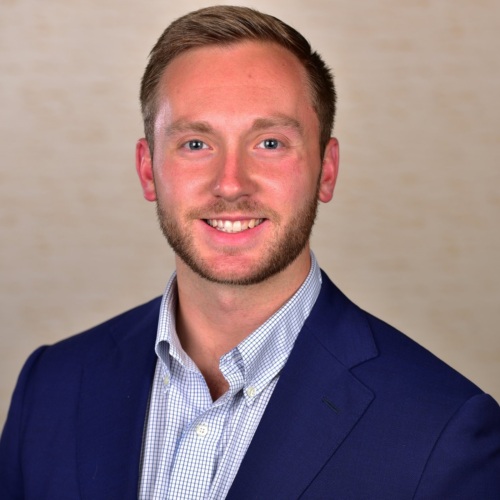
[[203, 127], [180, 126], [277, 121]]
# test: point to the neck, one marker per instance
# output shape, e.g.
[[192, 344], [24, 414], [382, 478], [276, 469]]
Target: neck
[[213, 318]]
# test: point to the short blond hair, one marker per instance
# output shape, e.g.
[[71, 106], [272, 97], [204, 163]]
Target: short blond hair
[[225, 25]]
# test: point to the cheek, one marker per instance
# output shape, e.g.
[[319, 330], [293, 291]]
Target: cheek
[[290, 196], [167, 189], [179, 191], [297, 185]]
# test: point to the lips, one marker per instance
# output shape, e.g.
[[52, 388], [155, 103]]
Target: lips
[[236, 226]]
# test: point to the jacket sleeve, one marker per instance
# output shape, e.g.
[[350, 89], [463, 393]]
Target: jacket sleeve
[[465, 461], [11, 484]]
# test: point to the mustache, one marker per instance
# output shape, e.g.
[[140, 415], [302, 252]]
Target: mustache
[[240, 206]]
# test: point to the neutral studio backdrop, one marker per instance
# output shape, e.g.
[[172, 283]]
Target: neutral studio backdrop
[[412, 234]]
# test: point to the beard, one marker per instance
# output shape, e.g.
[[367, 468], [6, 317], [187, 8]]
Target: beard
[[278, 254]]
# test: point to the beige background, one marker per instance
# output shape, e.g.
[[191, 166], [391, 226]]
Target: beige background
[[412, 234]]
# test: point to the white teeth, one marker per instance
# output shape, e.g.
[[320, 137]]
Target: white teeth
[[237, 226]]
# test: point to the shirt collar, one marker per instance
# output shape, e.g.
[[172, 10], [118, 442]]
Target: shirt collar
[[260, 356]]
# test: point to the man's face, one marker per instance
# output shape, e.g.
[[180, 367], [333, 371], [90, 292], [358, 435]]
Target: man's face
[[237, 168]]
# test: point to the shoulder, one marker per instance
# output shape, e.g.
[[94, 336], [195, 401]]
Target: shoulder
[[415, 365], [107, 368], [406, 372], [391, 364], [128, 329], [52, 376], [117, 329], [426, 419]]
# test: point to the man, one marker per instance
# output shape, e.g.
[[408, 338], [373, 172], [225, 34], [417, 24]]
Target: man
[[253, 376]]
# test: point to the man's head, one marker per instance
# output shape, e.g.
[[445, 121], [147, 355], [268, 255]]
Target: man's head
[[242, 148], [226, 25]]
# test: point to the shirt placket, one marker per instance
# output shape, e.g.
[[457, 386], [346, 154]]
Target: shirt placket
[[198, 450]]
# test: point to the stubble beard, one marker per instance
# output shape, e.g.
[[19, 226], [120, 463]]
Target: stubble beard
[[278, 255]]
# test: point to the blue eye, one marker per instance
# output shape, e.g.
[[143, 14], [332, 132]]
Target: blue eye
[[195, 145], [270, 144]]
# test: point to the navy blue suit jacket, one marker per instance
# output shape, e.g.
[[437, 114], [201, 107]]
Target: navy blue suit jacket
[[360, 412]]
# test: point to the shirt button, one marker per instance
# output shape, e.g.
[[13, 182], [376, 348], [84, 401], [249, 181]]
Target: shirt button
[[202, 429], [166, 380], [251, 391]]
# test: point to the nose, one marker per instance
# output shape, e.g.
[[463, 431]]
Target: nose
[[233, 178]]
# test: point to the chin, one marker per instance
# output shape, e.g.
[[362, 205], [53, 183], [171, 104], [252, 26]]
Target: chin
[[228, 277], [244, 272]]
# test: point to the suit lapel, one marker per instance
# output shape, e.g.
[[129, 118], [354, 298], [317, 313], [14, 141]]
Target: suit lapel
[[114, 397], [316, 402]]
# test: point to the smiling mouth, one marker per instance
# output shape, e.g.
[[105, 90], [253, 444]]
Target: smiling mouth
[[237, 226]]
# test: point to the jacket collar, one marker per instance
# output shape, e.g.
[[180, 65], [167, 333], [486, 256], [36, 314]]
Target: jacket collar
[[316, 402]]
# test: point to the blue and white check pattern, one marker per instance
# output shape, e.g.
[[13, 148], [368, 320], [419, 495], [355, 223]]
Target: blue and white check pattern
[[193, 446]]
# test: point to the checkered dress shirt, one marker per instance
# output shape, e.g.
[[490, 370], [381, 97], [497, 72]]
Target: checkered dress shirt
[[193, 446]]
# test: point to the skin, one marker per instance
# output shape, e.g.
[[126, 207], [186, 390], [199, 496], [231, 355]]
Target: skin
[[236, 139]]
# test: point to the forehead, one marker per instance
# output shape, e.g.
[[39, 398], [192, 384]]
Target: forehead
[[241, 65]]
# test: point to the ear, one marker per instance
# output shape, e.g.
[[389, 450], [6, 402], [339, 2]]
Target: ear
[[144, 167], [329, 172]]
